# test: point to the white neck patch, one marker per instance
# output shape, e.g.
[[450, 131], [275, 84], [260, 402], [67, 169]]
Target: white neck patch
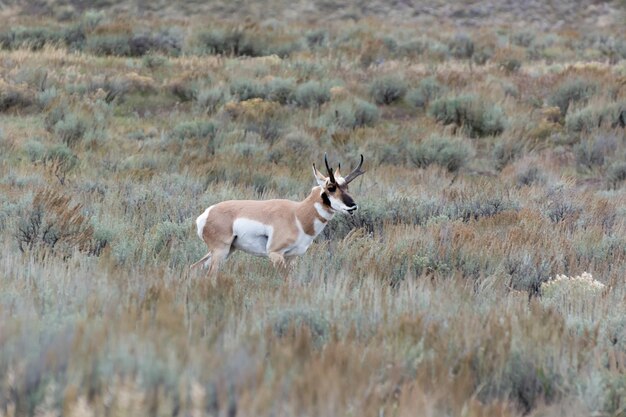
[[325, 214]]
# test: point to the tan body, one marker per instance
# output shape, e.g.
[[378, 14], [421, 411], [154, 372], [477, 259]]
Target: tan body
[[278, 229]]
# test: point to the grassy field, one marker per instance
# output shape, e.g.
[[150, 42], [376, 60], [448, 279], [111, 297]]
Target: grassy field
[[483, 275]]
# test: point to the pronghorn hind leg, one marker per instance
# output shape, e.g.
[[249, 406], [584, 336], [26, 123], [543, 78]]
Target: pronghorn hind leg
[[219, 255], [206, 259]]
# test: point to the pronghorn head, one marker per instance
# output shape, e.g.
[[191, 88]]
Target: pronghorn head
[[334, 188]]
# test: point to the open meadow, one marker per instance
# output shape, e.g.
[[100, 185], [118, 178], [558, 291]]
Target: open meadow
[[484, 273]]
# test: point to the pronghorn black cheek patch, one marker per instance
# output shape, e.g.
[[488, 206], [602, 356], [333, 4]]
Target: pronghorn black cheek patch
[[325, 199]]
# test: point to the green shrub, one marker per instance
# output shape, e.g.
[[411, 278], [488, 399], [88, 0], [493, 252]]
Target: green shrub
[[291, 322], [74, 38], [616, 173], [55, 115], [71, 129], [267, 125], [471, 112], [594, 151], [53, 223], [523, 38], [220, 42], [482, 55], [132, 45], [211, 99], [194, 130], [529, 176], [560, 209], [593, 117], [246, 89], [462, 47], [171, 241], [14, 97], [526, 381], [388, 89], [281, 90], [316, 38], [506, 151], [92, 18], [35, 150], [355, 114], [238, 42], [36, 38], [427, 90], [311, 94], [448, 152], [290, 147], [577, 90], [31, 38], [184, 90], [411, 48], [510, 65], [165, 42], [153, 61], [108, 45], [60, 160], [46, 97]]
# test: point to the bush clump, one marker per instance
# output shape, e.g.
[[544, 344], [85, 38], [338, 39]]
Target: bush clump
[[12, 96], [281, 90], [388, 89], [449, 152], [53, 223], [124, 44], [616, 173], [594, 151], [60, 161], [238, 42], [592, 117], [194, 130], [572, 91], [290, 323], [311, 94], [462, 47], [31, 38], [246, 89], [290, 147], [210, 99], [108, 45], [71, 129], [506, 151], [528, 176], [355, 114], [471, 112], [427, 90]]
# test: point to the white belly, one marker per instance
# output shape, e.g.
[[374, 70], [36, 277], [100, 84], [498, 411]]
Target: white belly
[[251, 236]]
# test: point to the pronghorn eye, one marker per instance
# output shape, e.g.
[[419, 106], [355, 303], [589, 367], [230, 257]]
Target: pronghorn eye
[[332, 188]]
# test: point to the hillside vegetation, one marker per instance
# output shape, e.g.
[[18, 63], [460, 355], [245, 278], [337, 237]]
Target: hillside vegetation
[[483, 274]]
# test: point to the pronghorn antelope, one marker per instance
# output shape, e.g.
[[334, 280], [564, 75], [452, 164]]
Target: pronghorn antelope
[[278, 229]]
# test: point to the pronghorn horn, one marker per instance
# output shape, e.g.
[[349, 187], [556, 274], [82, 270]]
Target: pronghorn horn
[[356, 172], [329, 169]]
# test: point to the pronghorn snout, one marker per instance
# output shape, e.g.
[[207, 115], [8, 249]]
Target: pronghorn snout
[[352, 209]]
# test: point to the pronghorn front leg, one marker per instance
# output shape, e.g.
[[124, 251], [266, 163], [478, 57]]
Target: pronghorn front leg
[[277, 259]]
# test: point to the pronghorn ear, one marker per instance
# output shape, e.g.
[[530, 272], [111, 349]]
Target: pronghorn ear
[[321, 179]]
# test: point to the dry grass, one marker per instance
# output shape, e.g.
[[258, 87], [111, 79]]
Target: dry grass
[[447, 293]]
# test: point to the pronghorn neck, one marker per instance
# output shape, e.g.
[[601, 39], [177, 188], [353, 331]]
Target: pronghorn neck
[[313, 213]]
